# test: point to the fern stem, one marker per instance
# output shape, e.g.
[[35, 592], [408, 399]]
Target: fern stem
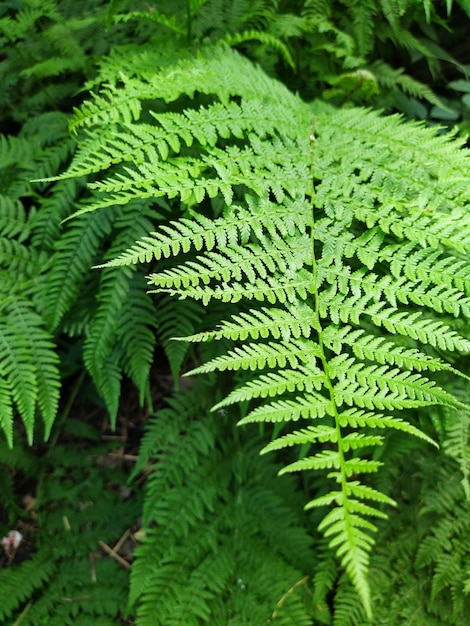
[[316, 296], [363, 587], [300, 583]]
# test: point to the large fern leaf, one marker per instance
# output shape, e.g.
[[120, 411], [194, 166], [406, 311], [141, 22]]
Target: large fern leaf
[[327, 218]]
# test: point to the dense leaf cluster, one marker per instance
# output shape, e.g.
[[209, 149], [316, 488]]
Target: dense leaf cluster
[[311, 256]]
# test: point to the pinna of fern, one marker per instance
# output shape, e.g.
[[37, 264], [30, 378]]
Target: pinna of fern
[[342, 245]]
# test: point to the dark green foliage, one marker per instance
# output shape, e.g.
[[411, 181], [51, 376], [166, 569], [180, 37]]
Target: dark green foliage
[[423, 564], [49, 49], [177, 320], [68, 580], [230, 552], [46, 290], [47, 53], [14, 463], [44, 40], [368, 51], [30, 375]]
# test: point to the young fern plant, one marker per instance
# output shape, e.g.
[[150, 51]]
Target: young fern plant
[[341, 250]]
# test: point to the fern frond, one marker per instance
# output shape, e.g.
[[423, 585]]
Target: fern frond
[[46, 224], [12, 150], [391, 77], [12, 218], [397, 322], [6, 409], [320, 235], [19, 585], [308, 406], [274, 384], [428, 264], [174, 319], [353, 546], [19, 258], [323, 582], [265, 38], [121, 335], [200, 233], [28, 367], [77, 251], [100, 355], [363, 22], [397, 385], [137, 339], [382, 350], [457, 434], [349, 417], [348, 611], [154, 16], [221, 532]]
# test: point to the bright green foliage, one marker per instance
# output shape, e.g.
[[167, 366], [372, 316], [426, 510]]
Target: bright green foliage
[[330, 219], [313, 261], [427, 531]]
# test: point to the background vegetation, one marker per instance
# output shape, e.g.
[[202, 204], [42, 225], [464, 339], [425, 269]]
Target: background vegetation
[[310, 247]]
